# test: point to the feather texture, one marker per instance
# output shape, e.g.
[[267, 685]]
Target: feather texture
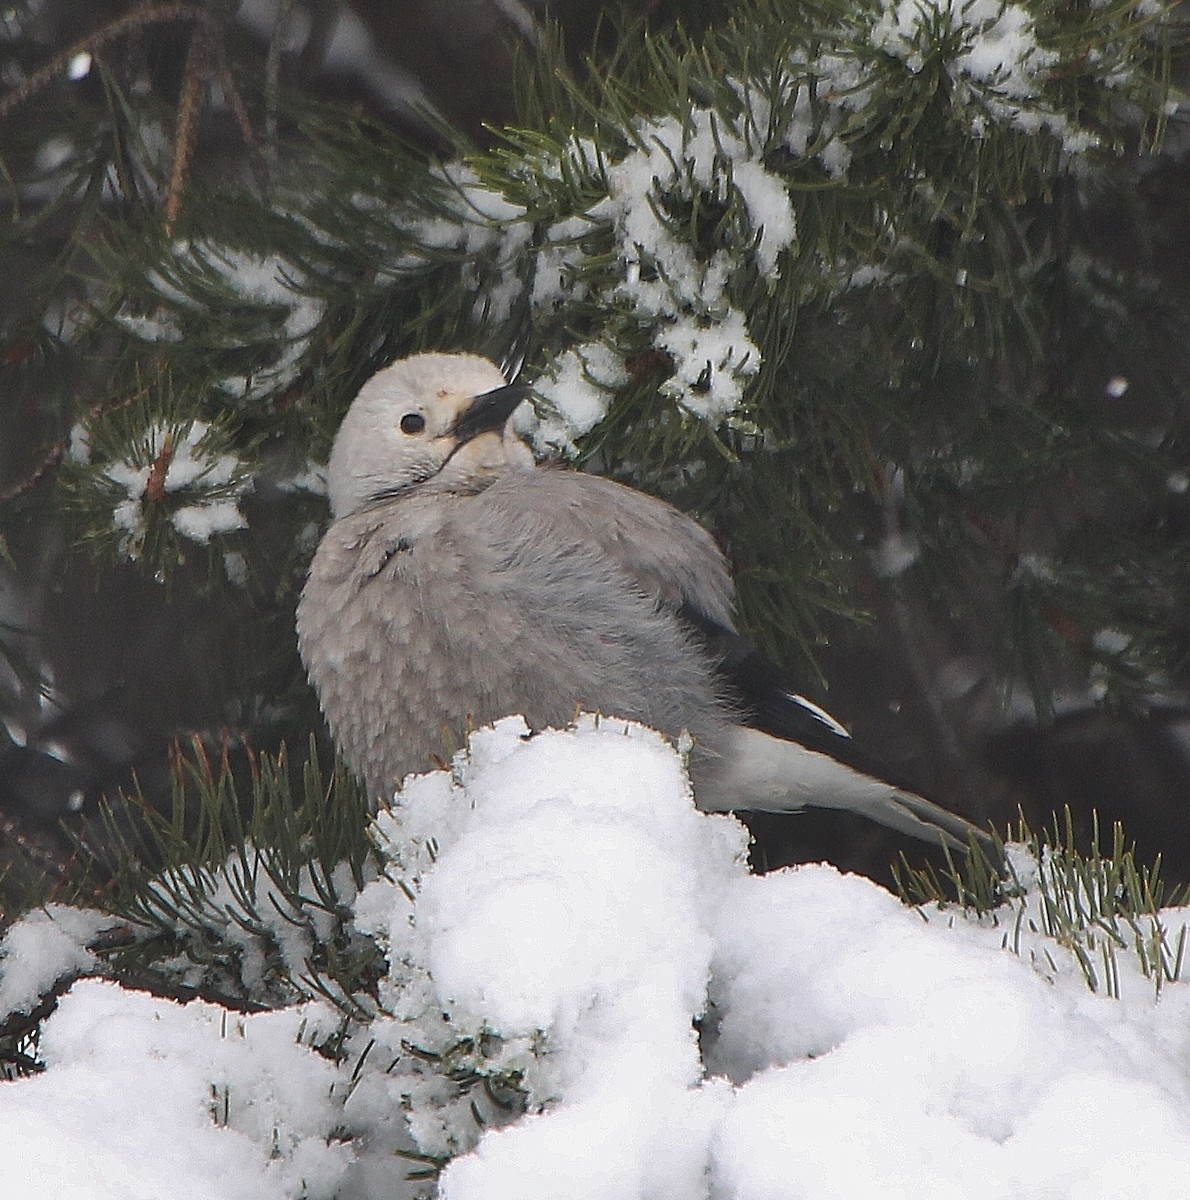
[[459, 583]]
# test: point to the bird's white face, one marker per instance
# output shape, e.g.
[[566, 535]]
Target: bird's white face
[[429, 421]]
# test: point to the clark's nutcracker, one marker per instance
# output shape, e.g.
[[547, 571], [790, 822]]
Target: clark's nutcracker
[[459, 583]]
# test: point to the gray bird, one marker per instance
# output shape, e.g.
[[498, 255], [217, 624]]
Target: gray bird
[[459, 583]]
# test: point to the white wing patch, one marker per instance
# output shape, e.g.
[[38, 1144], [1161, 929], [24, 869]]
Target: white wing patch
[[820, 713]]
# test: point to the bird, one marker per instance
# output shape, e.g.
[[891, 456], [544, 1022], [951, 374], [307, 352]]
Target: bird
[[460, 582]]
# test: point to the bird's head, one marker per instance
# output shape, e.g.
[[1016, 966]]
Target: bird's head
[[430, 421]]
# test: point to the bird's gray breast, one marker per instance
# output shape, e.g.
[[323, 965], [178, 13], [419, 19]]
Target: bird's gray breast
[[420, 618]]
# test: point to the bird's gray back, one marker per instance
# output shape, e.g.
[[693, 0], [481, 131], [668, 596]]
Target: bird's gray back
[[667, 554], [542, 594]]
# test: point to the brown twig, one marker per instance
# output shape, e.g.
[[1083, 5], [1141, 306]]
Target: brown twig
[[206, 60], [155, 486], [203, 60], [137, 19], [53, 456], [197, 73], [257, 162]]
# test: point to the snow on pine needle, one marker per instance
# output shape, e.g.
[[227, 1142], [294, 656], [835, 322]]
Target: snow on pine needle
[[675, 239], [584, 992], [635, 255], [183, 474], [200, 282], [996, 62]]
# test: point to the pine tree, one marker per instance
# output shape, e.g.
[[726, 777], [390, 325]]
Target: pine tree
[[881, 292], [877, 291]]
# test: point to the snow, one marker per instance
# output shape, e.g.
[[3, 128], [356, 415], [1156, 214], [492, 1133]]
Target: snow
[[557, 916], [267, 281], [235, 568], [896, 552], [41, 949], [770, 212], [657, 245], [685, 295], [310, 477], [272, 281], [712, 363], [577, 391], [79, 66], [490, 234], [1000, 60], [999, 43], [648, 271], [1111, 641], [193, 463], [815, 125], [144, 1098], [53, 153], [639, 254], [200, 522]]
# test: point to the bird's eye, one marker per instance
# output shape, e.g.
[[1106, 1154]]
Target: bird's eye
[[412, 423]]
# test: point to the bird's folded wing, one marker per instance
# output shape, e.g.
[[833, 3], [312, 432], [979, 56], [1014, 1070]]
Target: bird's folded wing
[[664, 553], [765, 697]]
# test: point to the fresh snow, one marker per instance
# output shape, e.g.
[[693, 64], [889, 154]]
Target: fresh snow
[[490, 234], [630, 254], [267, 281], [41, 949], [661, 276], [144, 1098], [559, 917], [215, 479], [577, 393], [1001, 57]]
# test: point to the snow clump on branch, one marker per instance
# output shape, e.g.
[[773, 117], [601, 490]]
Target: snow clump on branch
[[186, 460]]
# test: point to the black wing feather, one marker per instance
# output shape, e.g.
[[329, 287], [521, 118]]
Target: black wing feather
[[768, 700]]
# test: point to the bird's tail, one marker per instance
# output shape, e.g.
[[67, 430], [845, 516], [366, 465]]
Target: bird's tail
[[761, 772]]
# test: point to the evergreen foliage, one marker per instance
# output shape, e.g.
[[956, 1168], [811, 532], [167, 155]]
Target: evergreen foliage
[[239, 891], [244, 898], [821, 270], [1097, 903], [817, 263]]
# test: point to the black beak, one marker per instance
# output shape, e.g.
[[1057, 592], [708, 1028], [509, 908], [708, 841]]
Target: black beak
[[489, 411]]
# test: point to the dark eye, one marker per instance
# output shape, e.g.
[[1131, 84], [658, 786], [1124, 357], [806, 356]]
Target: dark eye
[[412, 423]]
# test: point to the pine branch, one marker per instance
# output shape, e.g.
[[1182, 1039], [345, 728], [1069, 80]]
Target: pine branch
[[761, 269], [1098, 904]]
